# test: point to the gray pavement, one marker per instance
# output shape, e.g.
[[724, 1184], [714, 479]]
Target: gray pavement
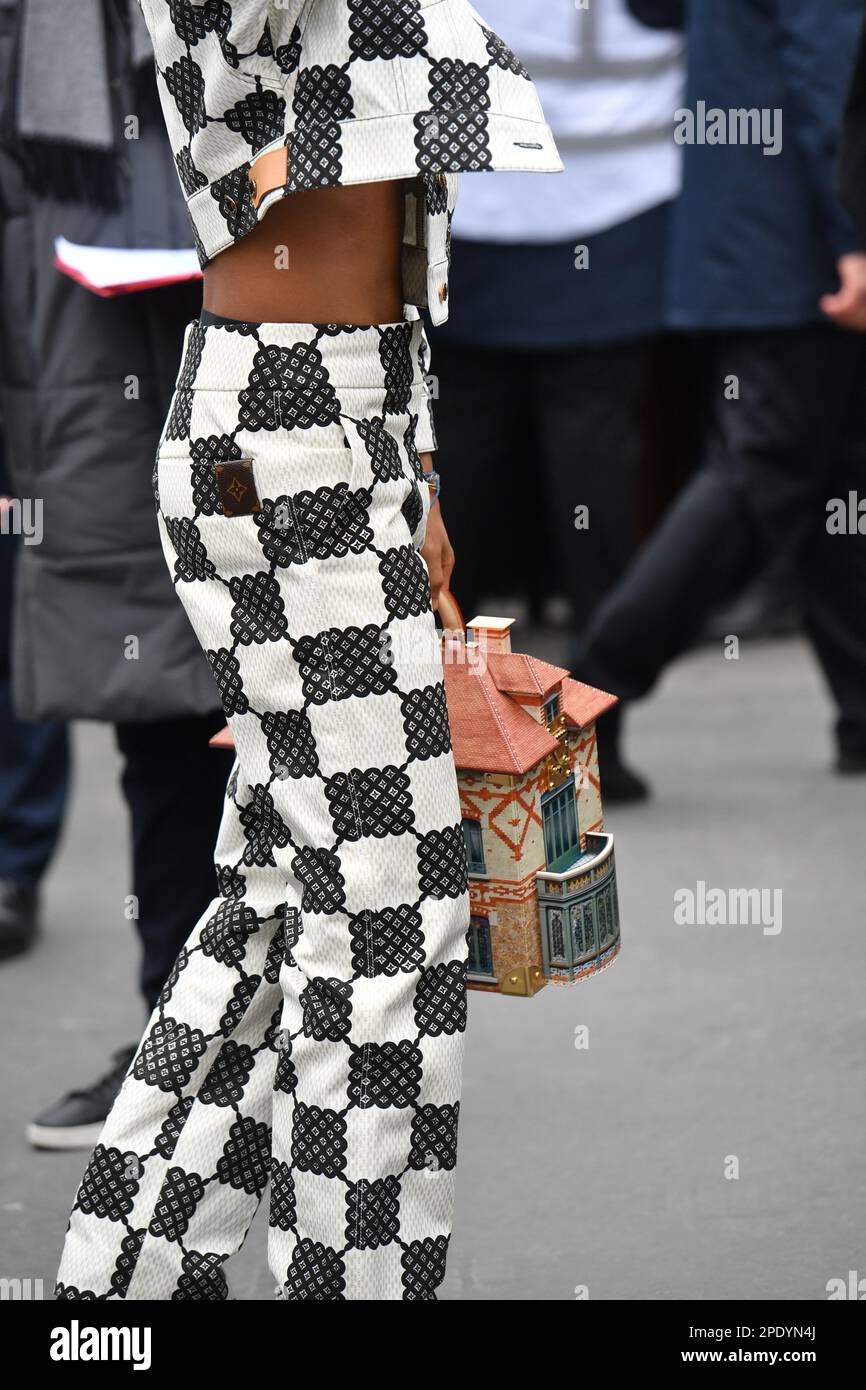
[[602, 1167]]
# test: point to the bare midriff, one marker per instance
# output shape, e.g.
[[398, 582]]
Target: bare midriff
[[329, 255]]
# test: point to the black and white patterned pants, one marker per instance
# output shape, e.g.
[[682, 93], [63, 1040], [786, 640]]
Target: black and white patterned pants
[[311, 1031]]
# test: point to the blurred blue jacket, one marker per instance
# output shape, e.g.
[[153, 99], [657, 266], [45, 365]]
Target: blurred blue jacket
[[755, 237]]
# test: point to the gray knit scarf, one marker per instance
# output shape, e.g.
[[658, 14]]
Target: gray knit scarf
[[63, 74]]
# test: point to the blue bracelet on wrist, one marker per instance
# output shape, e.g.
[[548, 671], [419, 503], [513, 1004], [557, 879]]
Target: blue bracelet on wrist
[[432, 478]]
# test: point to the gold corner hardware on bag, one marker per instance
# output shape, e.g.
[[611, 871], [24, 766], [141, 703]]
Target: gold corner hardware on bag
[[522, 979]]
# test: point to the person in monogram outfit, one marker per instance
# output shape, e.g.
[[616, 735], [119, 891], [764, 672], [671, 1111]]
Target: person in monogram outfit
[[311, 1032]]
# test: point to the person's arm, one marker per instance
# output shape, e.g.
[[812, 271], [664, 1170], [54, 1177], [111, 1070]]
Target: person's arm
[[852, 155], [817, 45], [437, 551], [425, 435]]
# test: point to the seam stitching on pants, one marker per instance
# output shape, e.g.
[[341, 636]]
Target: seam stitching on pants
[[332, 670], [290, 501], [368, 924], [359, 1208], [299, 535], [356, 807]]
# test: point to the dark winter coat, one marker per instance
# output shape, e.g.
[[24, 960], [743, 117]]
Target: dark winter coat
[[99, 631], [756, 236]]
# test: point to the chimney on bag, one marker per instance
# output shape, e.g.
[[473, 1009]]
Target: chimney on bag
[[490, 633]]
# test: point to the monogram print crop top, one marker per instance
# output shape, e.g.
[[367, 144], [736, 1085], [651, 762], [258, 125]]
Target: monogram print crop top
[[265, 97]]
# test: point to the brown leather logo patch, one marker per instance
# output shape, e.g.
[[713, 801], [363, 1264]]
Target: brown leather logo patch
[[237, 487]]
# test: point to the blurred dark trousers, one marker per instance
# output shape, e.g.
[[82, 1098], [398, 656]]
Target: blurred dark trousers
[[774, 458], [174, 785], [34, 763], [525, 438]]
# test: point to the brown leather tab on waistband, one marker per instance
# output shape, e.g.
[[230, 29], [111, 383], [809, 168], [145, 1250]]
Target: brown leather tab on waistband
[[268, 172], [237, 487]]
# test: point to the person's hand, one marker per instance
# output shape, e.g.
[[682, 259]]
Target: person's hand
[[437, 554], [847, 307]]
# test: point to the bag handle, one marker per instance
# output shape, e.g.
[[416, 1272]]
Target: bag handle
[[449, 611]]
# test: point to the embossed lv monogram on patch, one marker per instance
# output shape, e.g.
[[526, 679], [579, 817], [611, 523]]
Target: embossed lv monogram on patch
[[237, 487]]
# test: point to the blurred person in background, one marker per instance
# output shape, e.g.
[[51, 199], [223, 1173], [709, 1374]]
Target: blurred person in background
[[852, 157], [34, 758], [34, 772], [764, 259], [558, 300], [84, 443]]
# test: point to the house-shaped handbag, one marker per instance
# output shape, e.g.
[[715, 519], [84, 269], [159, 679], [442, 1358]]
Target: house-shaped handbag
[[542, 877]]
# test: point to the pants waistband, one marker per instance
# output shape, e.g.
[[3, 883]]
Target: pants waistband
[[210, 320], [222, 354]]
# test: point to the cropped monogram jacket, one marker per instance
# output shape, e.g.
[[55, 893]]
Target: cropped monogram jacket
[[266, 97]]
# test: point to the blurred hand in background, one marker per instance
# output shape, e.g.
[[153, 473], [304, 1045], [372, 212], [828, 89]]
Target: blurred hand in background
[[847, 307]]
